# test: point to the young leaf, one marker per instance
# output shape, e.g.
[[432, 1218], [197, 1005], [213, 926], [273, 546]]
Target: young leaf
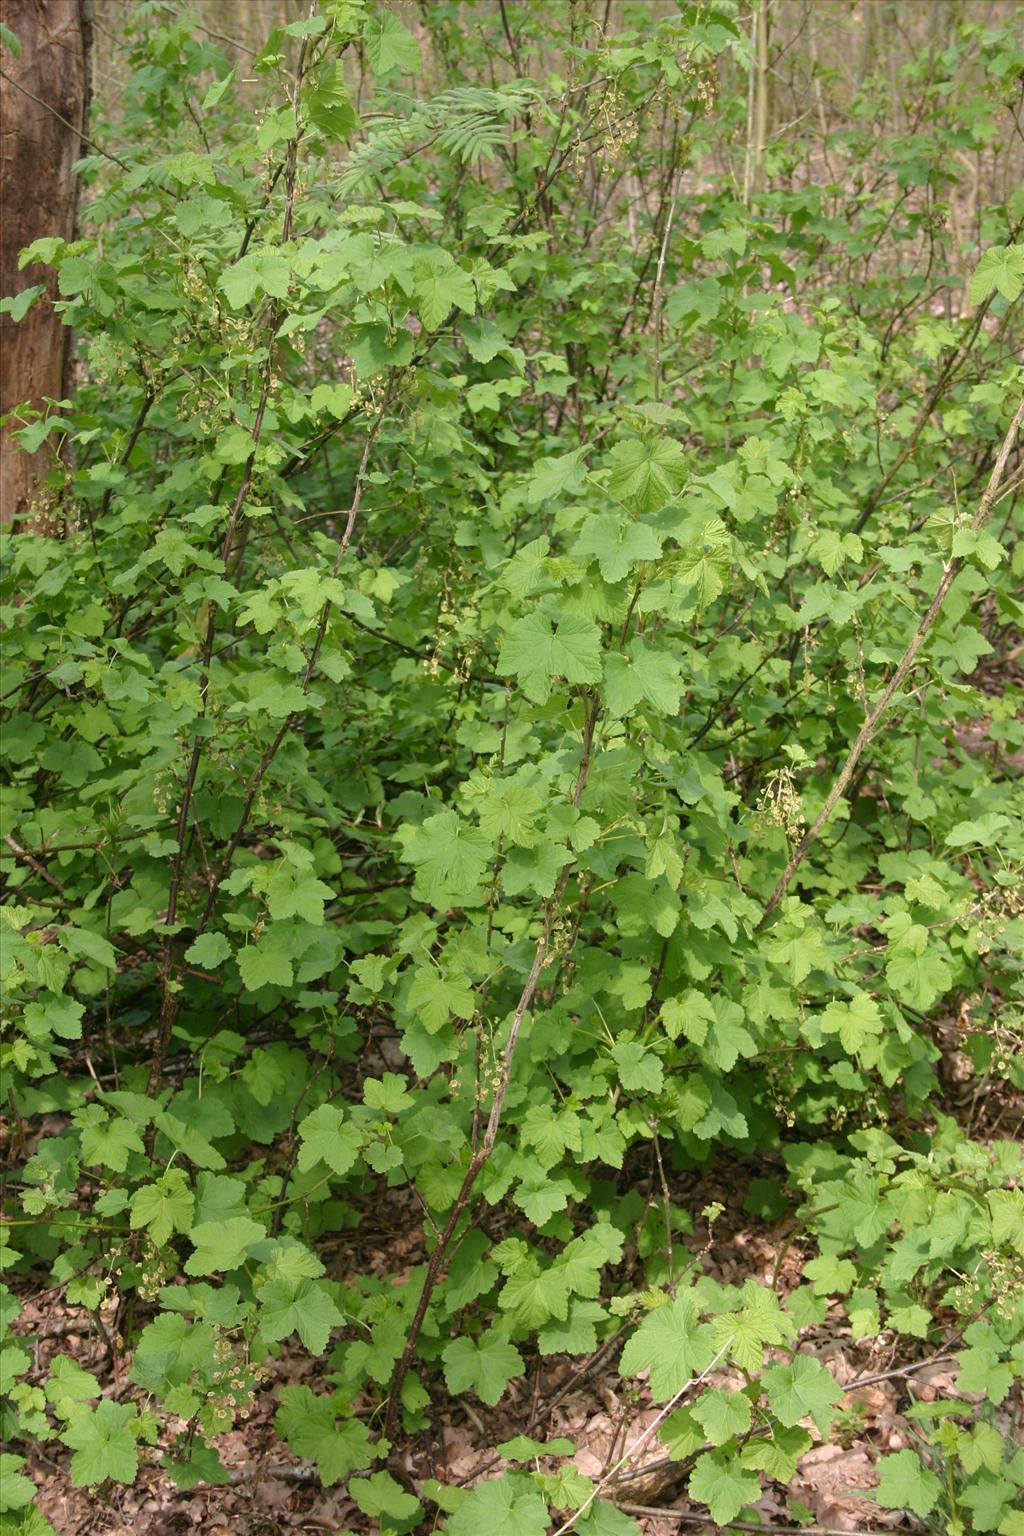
[[722, 1414], [577, 1335], [104, 1445], [522, 1448], [485, 1366], [681, 1435], [532, 1295], [391, 46], [304, 1307], [802, 1389], [854, 1022], [267, 963], [221, 1246], [450, 858], [722, 1483], [380, 1494], [538, 649], [615, 545], [436, 996], [327, 1137], [605, 1519], [163, 1207], [554, 477], [440, 286], [260, 271], [506, 1506], [758, 1323], [1000, 270], [672, 1343], [312, 1428], [704, 564], [645, 475], [640, 1071], [329, 108], [778, 1455], [645, 675], [905, 1483], [69, 1383], [15, 1490], [208, 950], [107, 1139]]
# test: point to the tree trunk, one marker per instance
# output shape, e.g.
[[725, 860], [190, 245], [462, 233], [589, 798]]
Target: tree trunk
[[762, 105], [43, 107]]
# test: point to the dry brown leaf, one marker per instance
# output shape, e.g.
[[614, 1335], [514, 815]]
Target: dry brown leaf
[[827, 1480]]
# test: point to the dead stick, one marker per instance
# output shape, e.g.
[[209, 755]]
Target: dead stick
[[686, 1517]]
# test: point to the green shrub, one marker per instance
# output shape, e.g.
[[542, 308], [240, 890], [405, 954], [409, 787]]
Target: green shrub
[[460, 598]]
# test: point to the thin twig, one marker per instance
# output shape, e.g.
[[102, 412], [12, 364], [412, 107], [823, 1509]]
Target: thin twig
[[169, 988], [289, 724], [639, 1443], [54, 113], [686, 1517], [666, 1201], [848, 1387], [31, 860], [480, 1156], [420, 655], [946, 376], [506, 28], [659, 297], [868, 729], [148, 397]]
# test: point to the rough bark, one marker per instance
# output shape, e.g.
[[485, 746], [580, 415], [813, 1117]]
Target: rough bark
[[43, 105]]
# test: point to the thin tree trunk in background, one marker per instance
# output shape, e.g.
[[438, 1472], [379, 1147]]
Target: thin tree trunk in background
[[867, 42], [762, 111], [43, 106]]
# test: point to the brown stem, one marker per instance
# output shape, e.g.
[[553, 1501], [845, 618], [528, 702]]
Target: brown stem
[[169, 989], [666, 1203], [868, 729], [33, 863], [286, 1178], [951, 368], [133, 437], [506, 28], [289, 724], [685, 1517], [437, 1259]]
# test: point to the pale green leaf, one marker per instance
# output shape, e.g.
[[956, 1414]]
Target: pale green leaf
[[539, 649], [905, 1483], [484, 1366], [645, 475], [723, 1484], [104, 1445], [327, 1137]]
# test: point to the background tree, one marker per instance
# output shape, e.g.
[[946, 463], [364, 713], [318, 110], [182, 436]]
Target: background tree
[[43, 108]]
